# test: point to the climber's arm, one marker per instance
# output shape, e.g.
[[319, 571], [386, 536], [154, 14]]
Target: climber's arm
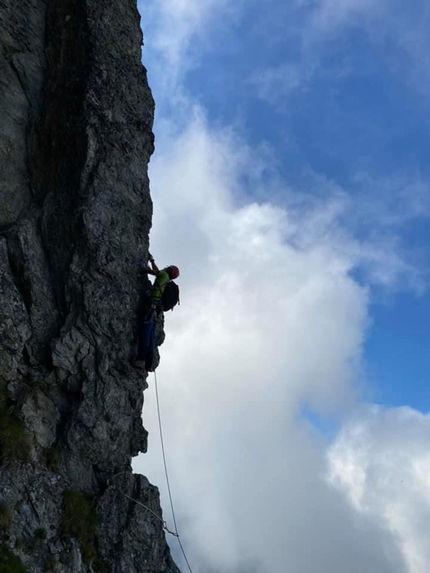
[[153, 265], [153, 269]]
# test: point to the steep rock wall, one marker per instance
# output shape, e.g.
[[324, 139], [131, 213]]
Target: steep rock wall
[[75, 213]]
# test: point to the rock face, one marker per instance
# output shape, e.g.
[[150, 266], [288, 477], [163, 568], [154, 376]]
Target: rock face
[[76, 136]]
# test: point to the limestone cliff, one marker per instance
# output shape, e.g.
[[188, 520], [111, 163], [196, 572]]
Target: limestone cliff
[[76, 136]]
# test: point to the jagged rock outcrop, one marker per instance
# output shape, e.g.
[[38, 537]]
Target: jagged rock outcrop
[[76, 136]]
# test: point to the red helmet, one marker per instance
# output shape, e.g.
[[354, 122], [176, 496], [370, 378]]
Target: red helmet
[[173, 272]]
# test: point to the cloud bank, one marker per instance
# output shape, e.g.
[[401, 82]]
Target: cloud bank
[[380, 461], [272, 324], [271, 318]]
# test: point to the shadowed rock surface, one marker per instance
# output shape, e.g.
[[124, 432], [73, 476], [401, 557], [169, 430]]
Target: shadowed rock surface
[[76, 136]]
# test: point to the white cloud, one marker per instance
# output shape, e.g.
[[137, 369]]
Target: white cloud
[[310, 27], [319, 32], [381, 461], [276, 84], [330, 15], [270, 318], [179, 31]]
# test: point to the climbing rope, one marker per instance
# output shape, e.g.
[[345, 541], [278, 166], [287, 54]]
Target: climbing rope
[[167, 474], [164, 523], [153, 513]]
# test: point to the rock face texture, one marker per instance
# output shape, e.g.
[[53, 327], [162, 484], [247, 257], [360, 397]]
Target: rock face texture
[[76, 136]]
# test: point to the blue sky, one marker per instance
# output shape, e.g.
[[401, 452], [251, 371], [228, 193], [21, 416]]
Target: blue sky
[[338, 102], [397, 359], [291, 185]]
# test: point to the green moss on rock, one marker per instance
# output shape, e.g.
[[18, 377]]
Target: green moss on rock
[[5, 517], [40, 533], [14, 439], [9, 562], [80, 521], [4, 400], [53, 459], [50, 565]]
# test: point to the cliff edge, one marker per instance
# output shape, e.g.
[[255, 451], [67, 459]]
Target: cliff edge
[[75, 213]]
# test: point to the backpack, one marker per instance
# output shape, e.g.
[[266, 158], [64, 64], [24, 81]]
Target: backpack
[[170, 296]]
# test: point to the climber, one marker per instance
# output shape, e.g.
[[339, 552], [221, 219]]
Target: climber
[[162, 279], [164, 296]]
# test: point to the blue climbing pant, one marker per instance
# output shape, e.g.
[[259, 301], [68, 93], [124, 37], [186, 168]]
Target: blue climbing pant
[[146, 346]]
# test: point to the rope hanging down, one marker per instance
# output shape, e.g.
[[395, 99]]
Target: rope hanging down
[[167, 475], [174, 533], [153, 513]]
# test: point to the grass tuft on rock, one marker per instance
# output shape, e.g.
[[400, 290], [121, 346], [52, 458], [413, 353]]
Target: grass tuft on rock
[[14, 439], [40, 533], [10, 563], [53, 459], [80, 521], [50, 565], [4, 399], [99, 567], [5, 517], [15, 442]]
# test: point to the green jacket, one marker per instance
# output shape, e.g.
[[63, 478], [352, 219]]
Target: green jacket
[[161, 280]]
